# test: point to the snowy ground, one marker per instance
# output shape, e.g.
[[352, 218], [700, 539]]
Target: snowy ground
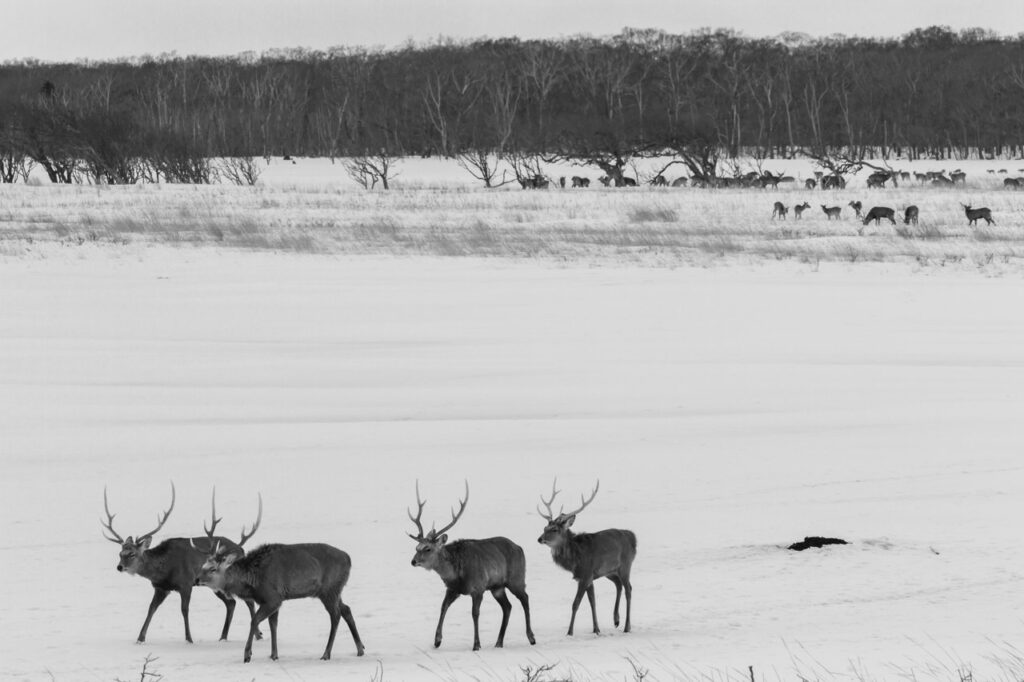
[[726, 411]]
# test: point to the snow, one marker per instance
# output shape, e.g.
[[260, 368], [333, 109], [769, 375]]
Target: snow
[[727, 413]]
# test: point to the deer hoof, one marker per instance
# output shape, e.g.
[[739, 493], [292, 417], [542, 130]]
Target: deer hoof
[[359, 652], [476, 647], [325, 657]]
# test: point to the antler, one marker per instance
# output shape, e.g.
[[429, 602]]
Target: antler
[[585, 502], [162, 519], [255, 527], [455, 517], [547, 503], [109, 525], [213, 515], [419, 514]]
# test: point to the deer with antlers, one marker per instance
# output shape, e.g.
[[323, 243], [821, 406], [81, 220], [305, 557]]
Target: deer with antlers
[[172, 566], [472, 567], [589, 556]]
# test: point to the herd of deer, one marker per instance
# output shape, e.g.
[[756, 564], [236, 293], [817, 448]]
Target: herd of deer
[[273, 573], [878, 213]]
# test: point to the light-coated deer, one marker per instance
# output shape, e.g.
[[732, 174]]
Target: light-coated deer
[[973, 214], [910, 215], [172, 566], [472, 567], [589, 556], [779, 210], [271, 574], [799, 209], [857, 208], [831, 212]]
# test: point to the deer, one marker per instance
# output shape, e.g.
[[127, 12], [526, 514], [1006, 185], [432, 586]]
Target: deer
[[810, 183], [1011, 183], [857, 207], [878, 212], [910, 215], [974, 213], [274, 573], [472, 567], [577, 181], [799, 209], [831, 212], [779, 211], [173, 565], [589, 556]]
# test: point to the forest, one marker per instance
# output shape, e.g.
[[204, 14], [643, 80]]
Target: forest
[[933, 92]]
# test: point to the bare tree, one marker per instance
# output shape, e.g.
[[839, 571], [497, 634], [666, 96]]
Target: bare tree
[[369, 169]]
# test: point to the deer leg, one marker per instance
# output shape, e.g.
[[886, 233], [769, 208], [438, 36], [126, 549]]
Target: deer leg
[[252, 614], [628, 587], [346, 613], [186, 598], [524, 599], [158, 599], [229, 605], [261, 615], [593, 607], [478, 598], [581, 587], [449, 597], [618, 594], [506, 611], [331, 604], [273, 634]]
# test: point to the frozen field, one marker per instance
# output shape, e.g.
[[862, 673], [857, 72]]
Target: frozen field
[[727, 412]]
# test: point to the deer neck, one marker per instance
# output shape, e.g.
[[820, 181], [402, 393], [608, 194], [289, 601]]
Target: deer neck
[[565, 551], [445, 566], [238, 581], [151, 567]]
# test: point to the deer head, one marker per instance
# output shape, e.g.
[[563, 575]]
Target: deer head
[[558, 526], [132, 550], [213, 571], [429, 545]]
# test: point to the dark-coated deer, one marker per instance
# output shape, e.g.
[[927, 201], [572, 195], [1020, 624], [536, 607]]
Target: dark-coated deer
[[910, 215], [271, 574], [799, 209], [831, 212], [172, 566], [857, 208], [878, 212], [589, 556], [472, 567], [779, 211], [974, 213]]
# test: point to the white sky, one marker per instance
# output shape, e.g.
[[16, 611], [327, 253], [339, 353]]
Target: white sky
[[56, 30]]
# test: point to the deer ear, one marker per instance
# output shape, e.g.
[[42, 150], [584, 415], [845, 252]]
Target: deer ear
[[443, 539], [569, 520], [230, 559], [144, 543]]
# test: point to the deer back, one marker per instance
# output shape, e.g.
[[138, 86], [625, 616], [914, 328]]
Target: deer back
[[288, 571], [473, 566], [593, 555]]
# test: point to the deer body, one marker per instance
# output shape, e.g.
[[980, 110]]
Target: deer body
[[799, 209], [831, 211], [910, 215], [589, 556], [473, 567], [272, 574], [879, 212], [857, 207], [779, 210], [973, 214]]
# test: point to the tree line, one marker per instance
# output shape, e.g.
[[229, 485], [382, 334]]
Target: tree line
[[704, 95]]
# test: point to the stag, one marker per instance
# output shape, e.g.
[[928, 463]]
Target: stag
[[974, 213], [172, 566], [472, 567], [271, 574], [831, 212], [589, 556], [910, 215], [799, 209]]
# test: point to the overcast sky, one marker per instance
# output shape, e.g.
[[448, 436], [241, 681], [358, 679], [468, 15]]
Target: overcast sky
[[58, 30]]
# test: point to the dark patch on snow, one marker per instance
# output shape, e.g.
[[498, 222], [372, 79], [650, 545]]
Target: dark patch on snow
[[815, 541]]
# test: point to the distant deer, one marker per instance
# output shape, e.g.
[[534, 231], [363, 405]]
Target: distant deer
[[577, 181], [878, 212], [589, 556], [974, 213], [472, 567], [857, 207], [910, 215], [878, 179], [958, 176], [1011, 183], [831, 212], [172, 566], [779, 211], [799, 209], [272, 574], [659, 181], [680, 181], [810, 183]]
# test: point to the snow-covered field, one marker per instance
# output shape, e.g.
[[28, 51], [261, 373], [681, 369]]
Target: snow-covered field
[[727, 411]]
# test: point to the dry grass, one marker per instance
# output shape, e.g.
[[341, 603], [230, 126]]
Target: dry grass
[[660, 226]]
